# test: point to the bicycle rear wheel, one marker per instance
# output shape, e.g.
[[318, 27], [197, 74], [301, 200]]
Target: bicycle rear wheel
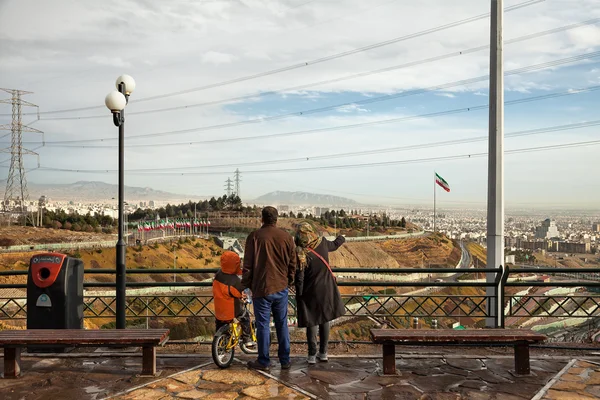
[[221, 354]]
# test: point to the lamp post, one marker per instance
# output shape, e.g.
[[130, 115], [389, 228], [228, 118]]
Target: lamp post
[[116, 102]]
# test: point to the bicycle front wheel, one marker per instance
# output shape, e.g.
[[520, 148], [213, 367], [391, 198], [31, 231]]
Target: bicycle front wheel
[[222, 350]]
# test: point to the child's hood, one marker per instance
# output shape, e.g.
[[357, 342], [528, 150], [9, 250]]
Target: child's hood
[[231, 263]]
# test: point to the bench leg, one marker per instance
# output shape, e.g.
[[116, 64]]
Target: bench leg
[[12, 362], [389, 359], [149, 360], [522, 359]]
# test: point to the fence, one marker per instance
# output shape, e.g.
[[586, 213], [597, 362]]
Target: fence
[[568, 300]]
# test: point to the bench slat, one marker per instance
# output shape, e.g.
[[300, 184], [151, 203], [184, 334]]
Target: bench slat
[[83, 337], [455, 336]]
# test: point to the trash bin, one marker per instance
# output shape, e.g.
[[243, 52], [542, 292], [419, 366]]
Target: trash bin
[[54, 295]]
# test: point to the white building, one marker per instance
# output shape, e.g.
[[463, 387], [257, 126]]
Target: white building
[[547, 230]]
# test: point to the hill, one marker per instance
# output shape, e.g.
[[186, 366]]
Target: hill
[[98, 191], [279, 197], [422, 252], [22, 235], [190, 253]]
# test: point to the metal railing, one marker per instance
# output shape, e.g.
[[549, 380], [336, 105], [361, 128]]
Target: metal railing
[[150, 299]]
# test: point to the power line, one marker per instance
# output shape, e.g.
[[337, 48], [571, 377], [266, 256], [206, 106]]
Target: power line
[[569, 92], [361, 165], [529, 132], [317, 60], [343, 78]]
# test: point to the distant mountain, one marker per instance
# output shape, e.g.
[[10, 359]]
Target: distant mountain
[[92, 191], [286, 198]]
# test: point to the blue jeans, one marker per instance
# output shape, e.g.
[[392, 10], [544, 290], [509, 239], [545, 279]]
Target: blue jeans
[[277, 303]]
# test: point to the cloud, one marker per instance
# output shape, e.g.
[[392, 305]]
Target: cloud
[[450, 95], [112, 61], [351, 108], [217, 58]]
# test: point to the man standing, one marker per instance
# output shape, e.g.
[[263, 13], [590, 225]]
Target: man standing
[[269, 268]]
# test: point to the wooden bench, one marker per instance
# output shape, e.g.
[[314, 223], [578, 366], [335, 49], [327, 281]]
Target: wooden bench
[[14, 341], [519, 338]]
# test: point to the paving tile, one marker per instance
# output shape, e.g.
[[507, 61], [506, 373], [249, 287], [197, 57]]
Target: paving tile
[[436, 383], [230, 376], [190, 377], [170, 385], [145, 394], [222, 396], [479, 395], [568, 377], [335, 376], [593, 378], [505, 396], [593, 390], [569, 386], [192, 394], [560, 395], [490, 377], [472, 384], [466, 364], [520, 390], [267, 391], [403, 392]]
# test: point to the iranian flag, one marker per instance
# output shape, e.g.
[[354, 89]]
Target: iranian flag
[[442, 182]]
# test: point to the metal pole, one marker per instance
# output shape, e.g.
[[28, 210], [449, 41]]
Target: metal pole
[[495, 212], [434, 201], [120, 279]]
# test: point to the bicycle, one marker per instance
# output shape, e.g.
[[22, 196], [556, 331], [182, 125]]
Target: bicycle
[[227, 338]]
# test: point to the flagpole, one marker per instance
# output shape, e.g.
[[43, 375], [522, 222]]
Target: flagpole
[[434, 201]]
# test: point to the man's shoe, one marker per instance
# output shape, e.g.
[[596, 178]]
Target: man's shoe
[[311, 359], [254, 364], [286, 366], [322, 357]]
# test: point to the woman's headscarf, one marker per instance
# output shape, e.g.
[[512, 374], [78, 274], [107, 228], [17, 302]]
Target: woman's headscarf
[[306, 238]]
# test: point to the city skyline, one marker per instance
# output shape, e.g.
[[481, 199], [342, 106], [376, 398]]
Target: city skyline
[[71, 62]]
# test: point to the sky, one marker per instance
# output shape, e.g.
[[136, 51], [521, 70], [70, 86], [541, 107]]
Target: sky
[[293, 94]]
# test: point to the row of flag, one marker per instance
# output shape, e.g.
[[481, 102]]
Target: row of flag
[[172, 224]]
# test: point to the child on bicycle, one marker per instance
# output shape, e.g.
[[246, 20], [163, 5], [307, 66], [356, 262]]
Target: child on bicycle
[[229, 293]]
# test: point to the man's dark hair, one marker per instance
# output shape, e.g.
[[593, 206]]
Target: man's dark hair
[[269, 215]]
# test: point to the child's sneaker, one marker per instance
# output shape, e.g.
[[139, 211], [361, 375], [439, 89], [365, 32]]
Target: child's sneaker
[[311, 359], [248, 342], [322, 357]]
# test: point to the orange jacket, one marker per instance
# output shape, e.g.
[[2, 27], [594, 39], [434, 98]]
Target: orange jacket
[[227, 287]]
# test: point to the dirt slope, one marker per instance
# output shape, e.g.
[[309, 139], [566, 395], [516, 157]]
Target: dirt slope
[[21, 235], [434, 250], [364, 254]]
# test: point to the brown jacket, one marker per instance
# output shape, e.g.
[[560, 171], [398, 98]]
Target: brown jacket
[[269, 261]]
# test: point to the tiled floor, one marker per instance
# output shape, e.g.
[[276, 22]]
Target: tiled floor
[[237, 382], [579, 381], [448, 376]]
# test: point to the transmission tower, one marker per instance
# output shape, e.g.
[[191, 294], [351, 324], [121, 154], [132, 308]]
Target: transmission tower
[[237, 177], [16, 184], [229, 186]]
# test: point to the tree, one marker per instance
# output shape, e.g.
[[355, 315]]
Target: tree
[[300, 215], [403, 222]]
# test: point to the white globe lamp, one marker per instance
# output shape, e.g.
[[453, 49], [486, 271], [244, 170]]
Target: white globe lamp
[[128, 82], [115, 101]]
